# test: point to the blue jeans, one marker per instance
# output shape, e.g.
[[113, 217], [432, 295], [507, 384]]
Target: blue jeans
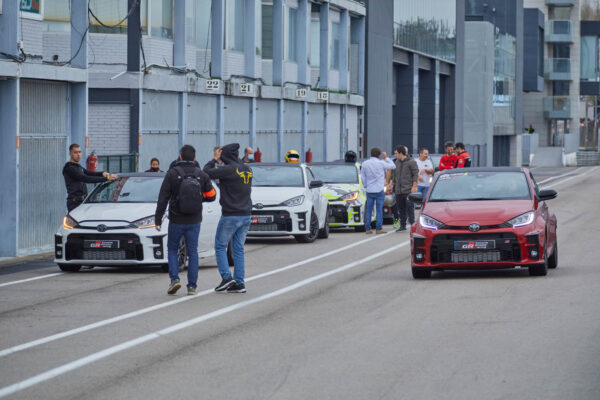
[[423, 190], [231, 228], [378, 199], [190, 232]]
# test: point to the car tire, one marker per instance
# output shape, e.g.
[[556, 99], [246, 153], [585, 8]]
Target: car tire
[[540, 269], [553, 260], [69, 267], [324, 233], [182, 257], [230, 254], [314, 230], [360, 228], [420, 273]]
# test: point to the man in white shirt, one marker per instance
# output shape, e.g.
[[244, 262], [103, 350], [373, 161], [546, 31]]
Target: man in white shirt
[[373, 173], [425, 171]]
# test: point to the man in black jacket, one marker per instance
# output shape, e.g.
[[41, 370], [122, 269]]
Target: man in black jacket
[[235, 184], [183, 224], [76, 178]]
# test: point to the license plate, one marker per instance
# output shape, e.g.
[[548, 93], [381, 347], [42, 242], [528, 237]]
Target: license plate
[[101, 244], [262, 219], [474, 244]]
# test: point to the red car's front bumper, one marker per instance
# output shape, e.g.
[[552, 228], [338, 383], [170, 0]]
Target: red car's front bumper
[[491, 248]]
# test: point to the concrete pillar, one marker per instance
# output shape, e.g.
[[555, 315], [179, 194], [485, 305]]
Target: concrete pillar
[[406, 110], [303, 41], [344, 131], [134, 35], [220, 120], [361, 56], [459, 74], [9, 173], [252, 122], [278, 42], [428, 122], [10, 28], [217, 39], [78, 103], [325, 130], [324, 48], [304, 127], [179, 33], [79, 91], [182, 107], [250, 21], [80, 21], [280, 109], [344, 83]]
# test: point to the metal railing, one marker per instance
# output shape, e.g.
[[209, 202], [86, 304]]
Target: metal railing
[[557, 107], [559, 31], [560, 3]]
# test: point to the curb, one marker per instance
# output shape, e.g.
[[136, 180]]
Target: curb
[[24, 259]]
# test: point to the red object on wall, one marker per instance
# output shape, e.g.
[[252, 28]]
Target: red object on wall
[[258, 155], [92, 162], [308, 157]]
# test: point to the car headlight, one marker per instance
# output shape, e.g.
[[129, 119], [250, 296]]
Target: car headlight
[[522, 220], [69, 222], [146, 222], [294, 201], [429, 223], [350, 196]]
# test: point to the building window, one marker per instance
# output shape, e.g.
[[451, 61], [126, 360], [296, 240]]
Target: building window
[[315, 43], [161, 14], [334, 46], [234, 25], [289, 27], [258, 27], [540, 57], [197, 23], [589, 58], [560, 88], [561, 51], [267, 31]]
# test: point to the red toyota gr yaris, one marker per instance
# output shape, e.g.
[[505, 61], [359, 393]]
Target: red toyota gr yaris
[[480, 218]]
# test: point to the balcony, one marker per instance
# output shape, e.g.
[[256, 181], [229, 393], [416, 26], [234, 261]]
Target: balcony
[[560, 3], [559, 31], [557, 107], [558, 69]]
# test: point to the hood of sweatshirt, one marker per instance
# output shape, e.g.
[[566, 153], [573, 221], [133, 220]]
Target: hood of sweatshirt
[[230, 153]]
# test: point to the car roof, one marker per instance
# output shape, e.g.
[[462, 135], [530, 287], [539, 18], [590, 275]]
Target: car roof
[[481, 169], [142, 174], [275, 164], [337, 162]]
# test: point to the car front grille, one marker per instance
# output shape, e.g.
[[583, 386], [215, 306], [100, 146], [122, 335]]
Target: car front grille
[[282, 222], [338, 214], [130, 247], [507, 248]]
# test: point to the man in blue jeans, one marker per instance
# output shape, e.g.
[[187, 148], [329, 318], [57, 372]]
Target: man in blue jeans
[[373, 173], [235, 184], [184, 188]]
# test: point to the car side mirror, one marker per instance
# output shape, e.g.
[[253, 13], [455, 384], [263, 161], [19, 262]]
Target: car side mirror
[[547, 194], [416, 197], [315, 184]]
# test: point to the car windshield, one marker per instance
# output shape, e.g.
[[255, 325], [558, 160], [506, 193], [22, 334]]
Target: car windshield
[[473, 185], [276, 175], [127, 190], [335, 173]]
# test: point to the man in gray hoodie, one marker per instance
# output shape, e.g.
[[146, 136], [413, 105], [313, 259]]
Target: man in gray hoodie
[[406, 179]]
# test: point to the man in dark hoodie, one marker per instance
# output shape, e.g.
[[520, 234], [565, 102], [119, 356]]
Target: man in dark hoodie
[[406, 179], [235, 184], [183, 222]]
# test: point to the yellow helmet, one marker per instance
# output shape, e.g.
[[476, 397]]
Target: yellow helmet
[[292, 156]]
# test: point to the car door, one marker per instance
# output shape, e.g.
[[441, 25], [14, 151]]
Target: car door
[[211, 213], [315, 195]]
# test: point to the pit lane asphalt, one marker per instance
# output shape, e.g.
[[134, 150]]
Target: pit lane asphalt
[[366, 332]]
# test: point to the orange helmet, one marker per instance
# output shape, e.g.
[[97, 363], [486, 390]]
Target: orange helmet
[[292, 156]]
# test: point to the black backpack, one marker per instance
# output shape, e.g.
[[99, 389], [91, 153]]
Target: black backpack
[[189, 196]]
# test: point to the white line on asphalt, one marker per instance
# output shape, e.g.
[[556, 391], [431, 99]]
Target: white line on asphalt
[[53, 373], [94, 325], [558, 177], [573, 177], [31, 279]]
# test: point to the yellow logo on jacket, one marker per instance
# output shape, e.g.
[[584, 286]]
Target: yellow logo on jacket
[[245, 175]]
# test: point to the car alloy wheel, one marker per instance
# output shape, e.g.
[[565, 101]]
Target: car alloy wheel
[[324, 233], [311, 236], [553, 260], [541, 269]]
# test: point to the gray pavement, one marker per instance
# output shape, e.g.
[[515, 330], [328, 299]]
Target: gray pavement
[[350, 324]]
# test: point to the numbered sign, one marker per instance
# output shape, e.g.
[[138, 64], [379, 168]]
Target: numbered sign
[[213, 84], [245, 88], [301, 93], [323, 96]]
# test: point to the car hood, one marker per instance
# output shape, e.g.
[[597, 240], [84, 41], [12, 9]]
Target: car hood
[[462, 213], [112, 212], [270, 196], [334, 191]]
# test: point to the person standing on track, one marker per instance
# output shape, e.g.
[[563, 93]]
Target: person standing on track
[[373, 174], [405, 181]]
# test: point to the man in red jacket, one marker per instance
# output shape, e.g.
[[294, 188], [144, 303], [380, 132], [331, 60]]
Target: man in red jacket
[[448, 160], [464, 159]]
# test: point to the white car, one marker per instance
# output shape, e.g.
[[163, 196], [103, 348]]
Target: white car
[[287, 200], [115, 226]]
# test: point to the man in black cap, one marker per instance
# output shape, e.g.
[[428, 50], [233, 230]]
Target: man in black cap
[[76, 178], [235, 184]]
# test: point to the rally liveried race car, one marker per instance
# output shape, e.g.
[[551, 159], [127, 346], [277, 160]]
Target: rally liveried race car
[[345, 193]]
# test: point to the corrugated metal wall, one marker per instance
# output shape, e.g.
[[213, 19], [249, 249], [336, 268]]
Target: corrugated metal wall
[[316, 115], [160, 145], [204, 143], [333, 132], [42, 154]]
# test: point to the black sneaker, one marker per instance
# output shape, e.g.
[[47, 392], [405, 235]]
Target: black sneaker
[[224, 285], [237, 288], [401, 228]]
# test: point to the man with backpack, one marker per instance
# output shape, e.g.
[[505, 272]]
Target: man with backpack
[[235, 184], [184, 188]]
